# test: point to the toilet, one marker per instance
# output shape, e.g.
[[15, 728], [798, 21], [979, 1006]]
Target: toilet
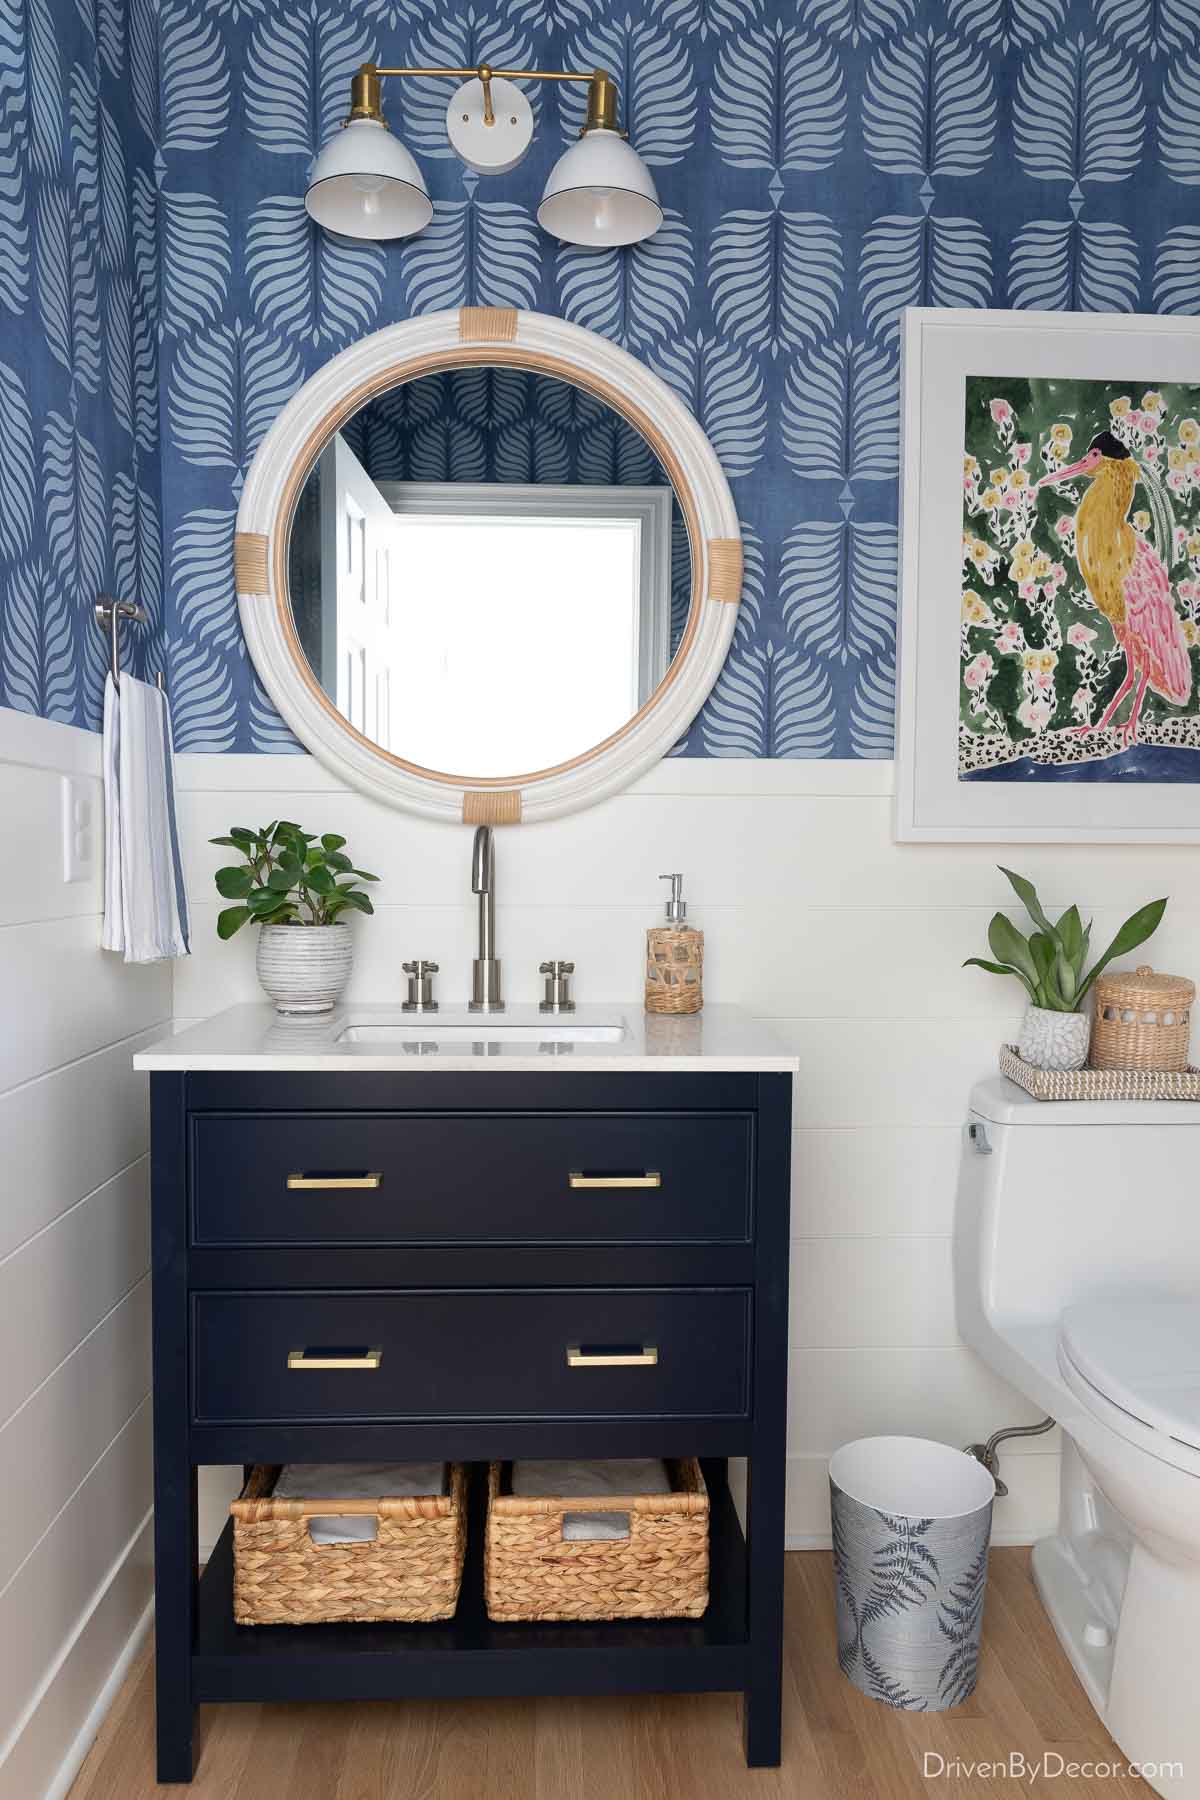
[[1077, 1275]]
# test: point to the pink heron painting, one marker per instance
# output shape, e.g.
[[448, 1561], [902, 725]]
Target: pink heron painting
[[1080, 620], [1128, 583]]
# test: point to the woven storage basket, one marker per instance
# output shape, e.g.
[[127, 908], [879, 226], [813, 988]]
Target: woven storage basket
[[1142, 1020], [660, 1571], [410, 1571]]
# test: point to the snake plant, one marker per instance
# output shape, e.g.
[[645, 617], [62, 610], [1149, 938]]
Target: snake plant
[[1050, 961]]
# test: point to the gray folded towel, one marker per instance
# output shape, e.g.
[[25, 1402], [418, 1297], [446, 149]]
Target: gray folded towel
[[590, 1481], [630, 1475], [356, 1481]]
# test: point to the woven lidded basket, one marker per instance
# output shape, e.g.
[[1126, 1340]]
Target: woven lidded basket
[[660, 1571], [1142, 1020], [411, 1570]]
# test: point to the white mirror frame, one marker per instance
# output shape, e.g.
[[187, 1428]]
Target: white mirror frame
[[427, 345]]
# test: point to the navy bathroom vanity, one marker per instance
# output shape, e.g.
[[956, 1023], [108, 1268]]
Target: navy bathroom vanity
[[468, 1212]]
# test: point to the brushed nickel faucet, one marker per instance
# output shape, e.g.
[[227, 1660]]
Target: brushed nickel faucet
[[485, 970]]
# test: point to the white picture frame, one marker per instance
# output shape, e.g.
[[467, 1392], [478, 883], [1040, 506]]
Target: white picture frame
[[941, 348]]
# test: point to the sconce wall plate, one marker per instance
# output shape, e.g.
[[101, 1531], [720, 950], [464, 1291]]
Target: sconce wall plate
[[497, 148]]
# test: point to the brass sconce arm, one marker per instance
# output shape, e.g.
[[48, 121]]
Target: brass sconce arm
[[366, 89]]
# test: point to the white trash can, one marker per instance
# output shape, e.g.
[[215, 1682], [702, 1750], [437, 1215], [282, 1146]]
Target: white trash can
[[911, 1521]]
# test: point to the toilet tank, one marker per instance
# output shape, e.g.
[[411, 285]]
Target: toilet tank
[[1066, 1201]]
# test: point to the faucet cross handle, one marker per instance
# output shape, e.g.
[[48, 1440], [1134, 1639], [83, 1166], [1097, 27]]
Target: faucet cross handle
[[558, 986], [420, 986]]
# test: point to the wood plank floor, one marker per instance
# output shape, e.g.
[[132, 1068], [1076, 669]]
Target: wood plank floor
[[836, 1742]]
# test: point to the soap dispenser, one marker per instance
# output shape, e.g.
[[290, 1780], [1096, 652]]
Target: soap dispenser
[[674, 959]]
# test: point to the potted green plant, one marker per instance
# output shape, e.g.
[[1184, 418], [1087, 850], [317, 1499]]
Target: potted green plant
[[295, 885], [1050, 965]]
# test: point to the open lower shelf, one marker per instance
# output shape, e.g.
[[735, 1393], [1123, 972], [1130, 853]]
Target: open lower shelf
[[469, 1654]]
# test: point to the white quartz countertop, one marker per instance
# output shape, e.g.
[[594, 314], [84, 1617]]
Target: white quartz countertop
[[259, 1038]]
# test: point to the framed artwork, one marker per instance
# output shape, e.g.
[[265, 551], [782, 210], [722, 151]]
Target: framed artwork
[[1049, 682]]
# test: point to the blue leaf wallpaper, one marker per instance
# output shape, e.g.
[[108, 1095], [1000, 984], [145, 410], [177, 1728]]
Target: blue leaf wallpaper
[[823, 164], [80, 501]]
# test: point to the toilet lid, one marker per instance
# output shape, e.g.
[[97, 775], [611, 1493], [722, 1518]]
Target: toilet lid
[[1144, 1356]]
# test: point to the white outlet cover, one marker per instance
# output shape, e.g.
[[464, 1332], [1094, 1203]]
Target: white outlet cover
[[80, 809]]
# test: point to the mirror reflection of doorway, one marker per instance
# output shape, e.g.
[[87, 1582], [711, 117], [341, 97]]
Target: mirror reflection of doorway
[[488, 627]]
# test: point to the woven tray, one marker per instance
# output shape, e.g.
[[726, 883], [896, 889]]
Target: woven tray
[[1099, 1084], [660, 1571]]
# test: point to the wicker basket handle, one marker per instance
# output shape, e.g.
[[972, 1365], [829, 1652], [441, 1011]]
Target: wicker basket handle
[[600, 1539]]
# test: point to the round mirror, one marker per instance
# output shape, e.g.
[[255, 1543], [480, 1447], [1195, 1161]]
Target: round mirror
[[488, 565], [489, 572]]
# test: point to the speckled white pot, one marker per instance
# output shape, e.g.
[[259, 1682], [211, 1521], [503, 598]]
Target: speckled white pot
[[305, 968], [1054, 1040]]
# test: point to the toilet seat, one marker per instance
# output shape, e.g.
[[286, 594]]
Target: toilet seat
[[1136, 1365]]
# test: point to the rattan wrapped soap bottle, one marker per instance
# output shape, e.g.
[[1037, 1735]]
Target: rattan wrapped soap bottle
[[674, 959]]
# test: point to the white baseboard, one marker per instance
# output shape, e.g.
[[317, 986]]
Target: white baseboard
[[89, 1731], [47, 1749]]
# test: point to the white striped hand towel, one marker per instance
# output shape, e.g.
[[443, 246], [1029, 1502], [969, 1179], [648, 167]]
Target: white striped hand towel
[[145, 907]]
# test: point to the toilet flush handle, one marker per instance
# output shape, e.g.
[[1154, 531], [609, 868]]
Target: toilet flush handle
[[977, 1133]]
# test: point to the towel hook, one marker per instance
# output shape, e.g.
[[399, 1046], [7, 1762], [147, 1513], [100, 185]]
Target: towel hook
[[109, 613]]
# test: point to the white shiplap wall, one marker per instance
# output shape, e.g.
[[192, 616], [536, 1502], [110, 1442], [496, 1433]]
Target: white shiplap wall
[[813, 917], [75, 1485]]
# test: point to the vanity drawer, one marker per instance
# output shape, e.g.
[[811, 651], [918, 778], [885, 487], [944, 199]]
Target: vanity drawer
[[361, 1178], [267, 1358]]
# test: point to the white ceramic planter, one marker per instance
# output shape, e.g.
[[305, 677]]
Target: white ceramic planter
[[304, 968], [1054, 1040]]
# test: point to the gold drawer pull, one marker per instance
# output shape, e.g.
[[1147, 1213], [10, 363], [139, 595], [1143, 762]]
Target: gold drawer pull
[[612, 1356], [335, 1181], [651, 1179], [336, 1356]]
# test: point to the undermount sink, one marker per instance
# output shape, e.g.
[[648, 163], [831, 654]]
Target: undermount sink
[[485, 1029]]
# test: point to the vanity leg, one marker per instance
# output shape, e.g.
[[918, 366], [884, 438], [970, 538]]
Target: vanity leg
[[766, 1475], [175, 1566], [175, 1527], [763, 1699]]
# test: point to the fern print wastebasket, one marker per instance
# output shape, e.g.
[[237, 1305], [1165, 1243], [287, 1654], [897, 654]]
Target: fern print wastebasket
[[911, 1521]]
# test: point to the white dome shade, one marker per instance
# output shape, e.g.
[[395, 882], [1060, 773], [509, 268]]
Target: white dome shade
[[365, 184], [600, 192]]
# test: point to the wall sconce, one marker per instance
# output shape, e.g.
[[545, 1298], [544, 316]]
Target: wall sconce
[[366, 184]]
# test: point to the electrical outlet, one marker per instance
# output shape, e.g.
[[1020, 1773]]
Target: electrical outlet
[[79, 804]]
